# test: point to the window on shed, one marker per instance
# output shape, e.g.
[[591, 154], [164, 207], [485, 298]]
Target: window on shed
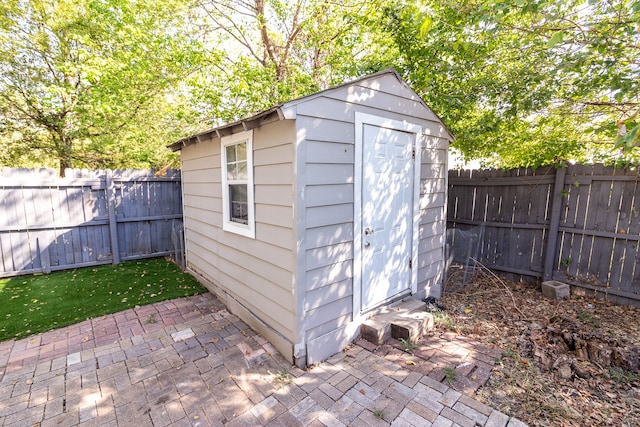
[[237, 183]]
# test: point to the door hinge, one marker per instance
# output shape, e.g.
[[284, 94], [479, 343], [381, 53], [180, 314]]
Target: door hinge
[[410, 264], [413, 153]]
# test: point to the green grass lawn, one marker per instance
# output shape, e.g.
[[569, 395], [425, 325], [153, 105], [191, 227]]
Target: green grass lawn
[[33, 304]]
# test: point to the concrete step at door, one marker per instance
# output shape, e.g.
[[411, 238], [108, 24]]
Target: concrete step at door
[[407, 320]]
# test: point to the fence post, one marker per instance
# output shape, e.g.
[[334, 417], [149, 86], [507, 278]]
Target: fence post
[[550, 257], [113, 225]]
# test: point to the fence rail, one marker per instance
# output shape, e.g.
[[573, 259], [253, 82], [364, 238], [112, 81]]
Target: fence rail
[[579, 224], [88, 218]]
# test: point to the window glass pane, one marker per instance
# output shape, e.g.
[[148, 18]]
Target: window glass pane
[[238, 206], [231, 171], [241, 151], [241, 170], [231, 153]]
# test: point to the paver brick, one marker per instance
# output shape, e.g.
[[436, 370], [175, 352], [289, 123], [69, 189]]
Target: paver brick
[[140, 376], [363, 394], [367, 418], [412, 418], [29, 416], [442, 422], [430, 382], [321, 398], [346, 410], [337, 378], [450, 397], [471, 413], [331, 391], [38, 397], [423, 411], [412, 379], [302, 410], [514, 422], [497, 419], [309, 382], [347, 383], [390, 407], [480, 407], [457, 417], [88, 411], [401, 422], [285, 420]]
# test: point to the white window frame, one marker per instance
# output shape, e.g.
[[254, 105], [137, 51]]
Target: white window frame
[[249, 229]]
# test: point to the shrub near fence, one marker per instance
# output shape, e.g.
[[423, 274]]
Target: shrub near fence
[[87, 218], [579, 224]]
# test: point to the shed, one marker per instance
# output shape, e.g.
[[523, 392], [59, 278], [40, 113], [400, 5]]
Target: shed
[[306, 218]]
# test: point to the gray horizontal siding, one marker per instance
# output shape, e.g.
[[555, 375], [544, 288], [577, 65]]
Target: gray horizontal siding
[[325, 276], [256, 272], [386, 100], [433, 182], [329, 215], [279, 174], [328, 327], [333, 308], [325, 195], [319, 297], [328, 255], [330, 152], [274, 195], [329, 173], [329, 235]]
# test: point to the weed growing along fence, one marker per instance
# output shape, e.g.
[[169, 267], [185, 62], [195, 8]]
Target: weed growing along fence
[[88, 218], [578, 224]]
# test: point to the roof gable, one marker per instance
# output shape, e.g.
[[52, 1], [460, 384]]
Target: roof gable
[[380, 81]]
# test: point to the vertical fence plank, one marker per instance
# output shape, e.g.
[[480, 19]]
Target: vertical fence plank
[[608, 213], [113, 225], [53, 224], [557, 200], [581, 193], [583, 229], [630, 280], [588, 246]]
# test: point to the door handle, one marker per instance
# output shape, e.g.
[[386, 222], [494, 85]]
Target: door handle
[[368, 231], [367, 244]]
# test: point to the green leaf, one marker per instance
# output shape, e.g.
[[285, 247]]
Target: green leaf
[[426, 25], [557, 37]]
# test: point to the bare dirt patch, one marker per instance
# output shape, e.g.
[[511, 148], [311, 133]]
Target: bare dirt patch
[[572, 362]]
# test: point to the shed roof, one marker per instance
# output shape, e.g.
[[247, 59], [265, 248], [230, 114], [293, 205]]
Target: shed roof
[[284, 111]]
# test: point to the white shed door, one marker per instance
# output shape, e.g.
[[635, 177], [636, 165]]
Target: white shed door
[[387, 197]]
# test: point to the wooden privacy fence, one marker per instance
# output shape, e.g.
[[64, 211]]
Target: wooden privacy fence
[[579, 224], [88, 218]]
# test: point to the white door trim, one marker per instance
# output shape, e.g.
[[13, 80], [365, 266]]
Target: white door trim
[[360, 120]]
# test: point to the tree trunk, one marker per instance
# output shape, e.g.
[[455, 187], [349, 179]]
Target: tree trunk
[[65, 151], [64, 164]]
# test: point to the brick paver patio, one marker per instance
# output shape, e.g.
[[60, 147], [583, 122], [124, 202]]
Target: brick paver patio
[[190, 362]]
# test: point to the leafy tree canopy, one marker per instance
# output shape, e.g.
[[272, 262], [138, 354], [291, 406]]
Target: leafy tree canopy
[[107, 83], [522, 82], [86, 82]]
